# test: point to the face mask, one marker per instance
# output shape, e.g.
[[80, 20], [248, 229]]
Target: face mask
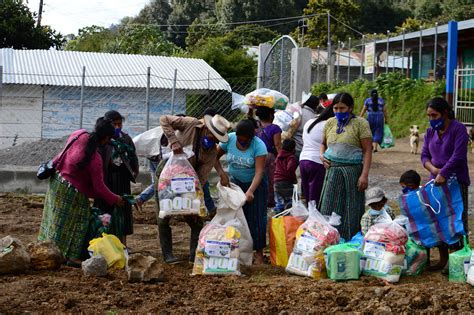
[[207, 143], [342, 117], [374, 212], [243, 144], [117, 132], [406, 190], [437, 124]]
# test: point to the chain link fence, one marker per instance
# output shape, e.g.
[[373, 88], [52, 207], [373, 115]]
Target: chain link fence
[[30, 112]]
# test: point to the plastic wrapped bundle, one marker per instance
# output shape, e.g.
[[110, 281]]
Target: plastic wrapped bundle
[[416, 259], [283, 119], [218, 251], [384, 248], [312, 237], [179, 189], [266, 97], [342, 262], [225, 243]]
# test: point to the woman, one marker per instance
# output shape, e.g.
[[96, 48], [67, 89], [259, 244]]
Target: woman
[[270, 134], [311, 167], [308, 111], [346, 152], [246, 155], [377, 117], [120, 164], [444, 155], [78, 177]]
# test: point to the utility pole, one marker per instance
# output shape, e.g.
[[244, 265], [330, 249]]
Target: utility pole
[[40, 13]]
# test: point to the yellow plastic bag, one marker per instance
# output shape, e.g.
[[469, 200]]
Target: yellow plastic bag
[[110, 247]]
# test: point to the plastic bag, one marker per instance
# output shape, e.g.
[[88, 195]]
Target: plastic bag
[[148, 144], [283, 119], [238, 102], [283, 227], [110, 247], [225, 242], [384, 248], [342, 262], [266, 97], [179, 189], [357, 241], [459, 263], [416, 259], [388, 140], [312, 237]]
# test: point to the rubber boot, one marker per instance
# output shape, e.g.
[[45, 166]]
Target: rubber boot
[[166, 242], [193, 242]]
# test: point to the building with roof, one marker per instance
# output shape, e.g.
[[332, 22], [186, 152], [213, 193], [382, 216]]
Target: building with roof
[[42, 91]]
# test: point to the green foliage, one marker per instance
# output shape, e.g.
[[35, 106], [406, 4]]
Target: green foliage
[[405, 98], [251, 34], [229, 60], [203, 29], [342, 10], [378, 16], [128, 39], [155, 12], [18, 30]]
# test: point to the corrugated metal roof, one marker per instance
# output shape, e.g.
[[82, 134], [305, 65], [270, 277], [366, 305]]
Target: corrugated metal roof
[[64, 68], [442, 29]]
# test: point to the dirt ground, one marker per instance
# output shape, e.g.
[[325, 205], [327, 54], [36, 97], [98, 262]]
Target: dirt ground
[[262, 289]]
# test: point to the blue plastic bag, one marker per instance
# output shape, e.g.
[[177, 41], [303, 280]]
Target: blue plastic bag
[[434, 213], [357, 241]]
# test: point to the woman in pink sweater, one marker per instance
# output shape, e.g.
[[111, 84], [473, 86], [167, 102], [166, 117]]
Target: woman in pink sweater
[[79, 176]]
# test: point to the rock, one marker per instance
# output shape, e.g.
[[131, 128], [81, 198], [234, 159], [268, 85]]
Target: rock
[[144, 269], [13, 256], [95, 266], [45, 255]]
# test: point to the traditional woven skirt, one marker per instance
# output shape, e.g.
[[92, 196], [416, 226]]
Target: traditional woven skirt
[[66, 217], [340, 195], [256, 212]]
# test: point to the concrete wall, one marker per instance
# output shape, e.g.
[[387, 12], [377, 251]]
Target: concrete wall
[[20, 114], [29, 112]]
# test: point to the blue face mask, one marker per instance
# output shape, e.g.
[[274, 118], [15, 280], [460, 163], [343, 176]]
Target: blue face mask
[[117, 132], [207, 143], [437, 124], [406, 190], [244, 144], [342, 117]]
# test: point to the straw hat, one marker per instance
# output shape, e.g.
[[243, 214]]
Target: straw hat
[[218, 125]]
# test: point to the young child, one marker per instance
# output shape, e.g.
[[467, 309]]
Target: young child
[[411, 181], [377, 202], [285, 175]]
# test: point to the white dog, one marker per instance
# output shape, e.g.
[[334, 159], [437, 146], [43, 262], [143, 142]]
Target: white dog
[[414, 139]]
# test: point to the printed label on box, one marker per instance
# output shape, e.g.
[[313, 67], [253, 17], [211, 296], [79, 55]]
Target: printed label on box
[[217, 249], [306, 243], [220, 265], [183, 185], [374, 250]]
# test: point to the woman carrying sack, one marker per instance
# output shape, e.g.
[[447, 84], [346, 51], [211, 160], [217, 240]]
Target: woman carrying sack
[[78, 177], [444, 155]]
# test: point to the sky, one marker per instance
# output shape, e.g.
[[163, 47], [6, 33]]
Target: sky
[[69, 16]]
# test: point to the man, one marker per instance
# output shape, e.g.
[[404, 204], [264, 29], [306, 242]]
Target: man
[[203, 134]]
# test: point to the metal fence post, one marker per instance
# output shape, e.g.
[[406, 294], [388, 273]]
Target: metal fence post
[[147, 97], [173, 91], [349, 66], [403, 50], [317, 67], [375, 58], [329, 68], [388, 43], [208, 88], [362, 55], [435, 56], [419, 53], [81, 115], [1, 84], [338, 59], [281, 64]]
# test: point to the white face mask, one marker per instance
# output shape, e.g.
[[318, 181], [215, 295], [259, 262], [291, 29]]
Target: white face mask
[[378, 212]]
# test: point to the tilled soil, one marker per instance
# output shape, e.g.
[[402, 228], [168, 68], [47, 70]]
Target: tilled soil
[[261, 289]]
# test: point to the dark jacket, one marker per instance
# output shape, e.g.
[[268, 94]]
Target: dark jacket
[[285, 167], [129, 159]]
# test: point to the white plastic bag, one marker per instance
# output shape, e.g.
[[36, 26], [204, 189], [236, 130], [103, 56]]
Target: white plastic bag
[[312, 237], [148, 144], [470, 276], [298, 209], [179, 189], [238, 102], [225, 242], [384, 248], [283, 119]]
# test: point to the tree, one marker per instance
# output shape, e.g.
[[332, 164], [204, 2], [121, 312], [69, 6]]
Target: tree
[[18, 30], [428, 10], [379, 16], [344, 11], [457, 10], [203, 29], [156, 12], [251, 34], [91, 38], [410, 25]]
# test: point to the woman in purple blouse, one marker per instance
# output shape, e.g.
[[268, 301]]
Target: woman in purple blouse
[[270, 134], [444, 154]]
